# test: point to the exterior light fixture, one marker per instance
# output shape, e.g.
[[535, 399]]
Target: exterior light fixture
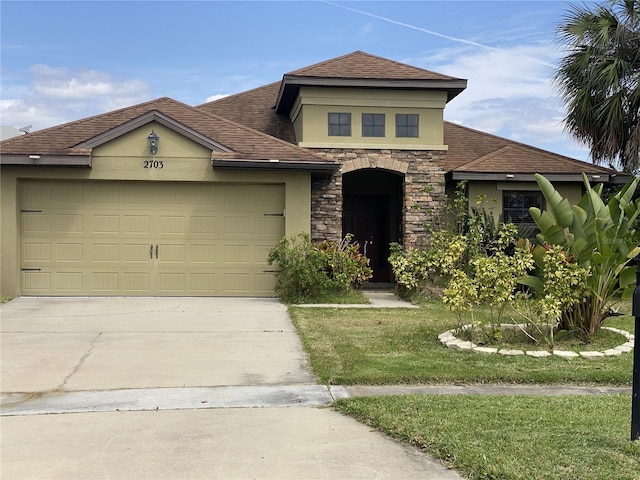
[[153, 140], [509, 175]]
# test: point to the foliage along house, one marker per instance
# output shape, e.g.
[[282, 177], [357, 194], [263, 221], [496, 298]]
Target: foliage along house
[[163, 198]]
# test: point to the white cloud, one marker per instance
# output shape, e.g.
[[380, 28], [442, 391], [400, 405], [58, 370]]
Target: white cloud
[[54, 95], [58, 84], [509, 93]]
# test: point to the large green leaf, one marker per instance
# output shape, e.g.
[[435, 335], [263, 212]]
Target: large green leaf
[[559, 206], [531, 281], [628, 276], [544, 220]]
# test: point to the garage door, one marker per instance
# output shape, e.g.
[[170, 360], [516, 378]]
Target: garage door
[[130, 238]]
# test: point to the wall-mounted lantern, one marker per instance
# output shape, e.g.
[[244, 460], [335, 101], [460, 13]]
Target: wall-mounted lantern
[[153, 140]]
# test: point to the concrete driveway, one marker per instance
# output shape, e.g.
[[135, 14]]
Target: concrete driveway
[[140, 388], [105, 343]]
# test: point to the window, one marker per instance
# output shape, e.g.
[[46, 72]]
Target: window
[[516, 204], [373, 124], [339, 124], [406, 125]]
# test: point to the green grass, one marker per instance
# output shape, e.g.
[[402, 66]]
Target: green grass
[[5, 299], [400, 346], [515, 338], [512, 437], [352, 297]]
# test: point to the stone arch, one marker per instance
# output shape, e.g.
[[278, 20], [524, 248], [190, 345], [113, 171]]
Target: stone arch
[[373, 161]]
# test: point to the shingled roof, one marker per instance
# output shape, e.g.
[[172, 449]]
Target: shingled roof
[[475, 152], [471, 152], [362, 65], [363, 70], [255, 109], [230, 142]]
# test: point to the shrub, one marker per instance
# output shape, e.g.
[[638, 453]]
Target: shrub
[[416, 269], [492, 282], [309, 270], [344, 265]]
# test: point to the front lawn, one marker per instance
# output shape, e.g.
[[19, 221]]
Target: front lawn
[[391, 346], [511, 437]]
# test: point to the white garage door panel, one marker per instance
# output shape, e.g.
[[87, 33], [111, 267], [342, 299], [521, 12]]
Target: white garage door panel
[[119, 238]]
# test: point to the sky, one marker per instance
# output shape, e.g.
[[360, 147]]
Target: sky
[[65, 60]]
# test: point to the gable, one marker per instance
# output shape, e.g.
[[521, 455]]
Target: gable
[[231, 144], [133, 143]]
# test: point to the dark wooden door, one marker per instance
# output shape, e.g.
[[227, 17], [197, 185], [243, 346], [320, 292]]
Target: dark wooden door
[[367, 218]]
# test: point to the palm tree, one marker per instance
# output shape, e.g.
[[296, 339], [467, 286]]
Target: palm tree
[[599, 80]]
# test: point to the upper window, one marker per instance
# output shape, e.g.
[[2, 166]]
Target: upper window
[[516, 204], [339, 124], [373, 124], [406, 125]]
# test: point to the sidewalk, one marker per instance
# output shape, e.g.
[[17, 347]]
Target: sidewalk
[[377, 299], [191, 388], [176, 388]]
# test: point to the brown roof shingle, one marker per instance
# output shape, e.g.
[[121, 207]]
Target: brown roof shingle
[[255, 109], [248, 124], [362, 65], [473, 151], [245, 142]]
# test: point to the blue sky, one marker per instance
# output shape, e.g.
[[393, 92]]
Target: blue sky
[[61, 61]]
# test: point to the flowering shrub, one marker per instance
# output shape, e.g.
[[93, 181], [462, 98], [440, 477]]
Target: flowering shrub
[[345, 266], [415, 269], [497, 277], [460, 295], [493, 282], [564, 283], [309, 270]]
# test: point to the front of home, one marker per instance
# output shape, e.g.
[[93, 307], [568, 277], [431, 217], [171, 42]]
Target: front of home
[[162, 198]]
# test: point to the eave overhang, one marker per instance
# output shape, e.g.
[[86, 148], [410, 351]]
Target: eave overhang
[[290, 86], [315, 168], [72, 160], [612, 178]]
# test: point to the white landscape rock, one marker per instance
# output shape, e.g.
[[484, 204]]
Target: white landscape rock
[[446, 337], [612, 352], [449, 339], [455, 344], [624, 348], [538, 353], [505, 351], [485, 350], [565, 354], [591, 354]]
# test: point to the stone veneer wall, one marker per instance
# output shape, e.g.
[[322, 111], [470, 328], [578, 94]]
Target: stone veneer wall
[[424, 191]]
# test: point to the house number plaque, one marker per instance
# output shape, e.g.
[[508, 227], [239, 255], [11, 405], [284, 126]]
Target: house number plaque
[[153, 164]]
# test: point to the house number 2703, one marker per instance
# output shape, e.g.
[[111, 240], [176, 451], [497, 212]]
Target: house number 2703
[[153, 164]]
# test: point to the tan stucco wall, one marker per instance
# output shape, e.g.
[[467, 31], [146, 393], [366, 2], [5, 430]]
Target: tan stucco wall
[[123, 159], [316, 103]]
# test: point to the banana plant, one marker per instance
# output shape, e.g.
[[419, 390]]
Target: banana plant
[[598, 236]]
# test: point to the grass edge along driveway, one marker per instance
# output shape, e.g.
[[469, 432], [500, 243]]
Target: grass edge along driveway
[[509, 437]]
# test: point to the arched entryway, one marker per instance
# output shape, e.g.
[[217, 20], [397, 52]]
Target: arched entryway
[[372, 212]]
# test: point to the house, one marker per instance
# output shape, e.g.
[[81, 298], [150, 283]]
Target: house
[[164, 198]]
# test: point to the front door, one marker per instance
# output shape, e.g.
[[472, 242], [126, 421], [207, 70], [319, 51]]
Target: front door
[[366, 217]]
